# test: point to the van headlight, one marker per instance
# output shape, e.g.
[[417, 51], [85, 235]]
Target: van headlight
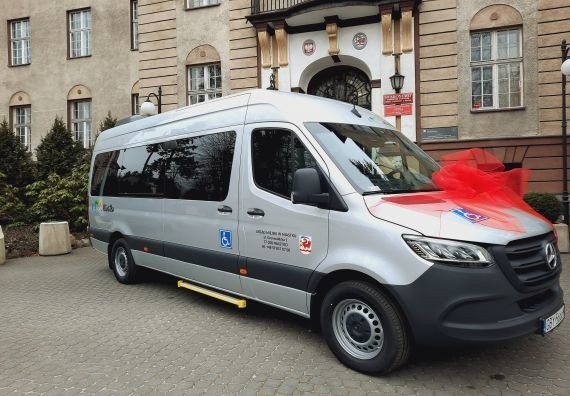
[[454, 253]]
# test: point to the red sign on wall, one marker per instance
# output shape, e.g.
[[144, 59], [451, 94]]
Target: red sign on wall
[[398, 104], [398, 110], [399, 98]]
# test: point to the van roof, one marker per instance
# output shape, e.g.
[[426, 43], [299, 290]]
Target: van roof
[[252, 107]]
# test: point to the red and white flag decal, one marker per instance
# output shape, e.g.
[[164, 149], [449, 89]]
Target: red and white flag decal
[[305, 244]]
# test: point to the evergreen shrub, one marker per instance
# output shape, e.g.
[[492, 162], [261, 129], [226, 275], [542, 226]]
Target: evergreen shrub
[[546, 204]]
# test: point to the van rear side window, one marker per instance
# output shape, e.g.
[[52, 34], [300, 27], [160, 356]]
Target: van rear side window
[[196, 168], [141, 172], [99, 170]]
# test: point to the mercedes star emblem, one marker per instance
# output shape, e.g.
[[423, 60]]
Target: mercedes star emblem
[[551, 259]]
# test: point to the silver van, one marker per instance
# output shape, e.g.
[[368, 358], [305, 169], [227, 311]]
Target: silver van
[[288, 199]]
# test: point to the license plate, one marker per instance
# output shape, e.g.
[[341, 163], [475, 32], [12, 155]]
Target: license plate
[[550, 323]]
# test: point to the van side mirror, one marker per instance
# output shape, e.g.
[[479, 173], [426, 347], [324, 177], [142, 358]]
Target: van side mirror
[[307, 188]]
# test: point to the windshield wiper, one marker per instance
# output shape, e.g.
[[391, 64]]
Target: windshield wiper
[[373, 192], [400, 191], [409, 190]]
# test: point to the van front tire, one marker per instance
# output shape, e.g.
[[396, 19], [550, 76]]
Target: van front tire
[[122, 262], [363, 328]]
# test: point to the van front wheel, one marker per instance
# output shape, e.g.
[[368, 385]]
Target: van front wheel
[[122, 262], [363, 328]]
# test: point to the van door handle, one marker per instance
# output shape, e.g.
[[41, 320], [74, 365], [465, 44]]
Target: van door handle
[[256, 212], [224, 209]]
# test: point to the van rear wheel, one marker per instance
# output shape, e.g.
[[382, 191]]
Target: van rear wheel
[[122, 262], [363, 328]]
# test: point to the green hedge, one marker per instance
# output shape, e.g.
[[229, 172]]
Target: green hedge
[[546, 204]]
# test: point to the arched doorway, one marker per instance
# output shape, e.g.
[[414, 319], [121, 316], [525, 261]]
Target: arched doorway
[[344, 83]]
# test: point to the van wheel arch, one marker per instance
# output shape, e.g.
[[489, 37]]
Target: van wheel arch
[[336, 277]]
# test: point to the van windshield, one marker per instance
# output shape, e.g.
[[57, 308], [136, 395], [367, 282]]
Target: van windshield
[[376, 160]]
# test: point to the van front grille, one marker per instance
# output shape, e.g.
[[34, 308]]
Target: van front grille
[[528, 260]]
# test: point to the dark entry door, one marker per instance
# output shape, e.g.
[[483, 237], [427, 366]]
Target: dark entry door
[[344, 83]]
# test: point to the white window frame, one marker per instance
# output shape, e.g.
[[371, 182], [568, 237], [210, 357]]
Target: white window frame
[[80, 127], [134, 25], [22, 124], [20, 33], [207, 93], [81, 34], [495, 62], [201, 3]]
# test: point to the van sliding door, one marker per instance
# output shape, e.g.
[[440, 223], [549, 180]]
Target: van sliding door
[[201, 209]]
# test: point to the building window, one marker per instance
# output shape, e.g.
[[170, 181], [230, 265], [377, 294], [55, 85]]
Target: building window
[[80, 120], [204, 83], [201, 3], [20, 42], [496, 69], [22, 124], [135, 104], [134, 25], [79, 33]]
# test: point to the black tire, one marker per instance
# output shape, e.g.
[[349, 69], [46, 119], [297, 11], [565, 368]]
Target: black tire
[[122, 262], [363, 328]]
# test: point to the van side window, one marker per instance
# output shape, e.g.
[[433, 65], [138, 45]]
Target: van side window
[[110, 185], [99, 169], [276, 155], [199, 168], [140, 172]]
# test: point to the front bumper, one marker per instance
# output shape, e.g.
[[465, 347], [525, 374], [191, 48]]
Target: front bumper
[[455, 306]]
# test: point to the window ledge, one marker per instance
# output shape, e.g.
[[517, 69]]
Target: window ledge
[[23, 64], [78, 57], [498, 110], [201, 7]]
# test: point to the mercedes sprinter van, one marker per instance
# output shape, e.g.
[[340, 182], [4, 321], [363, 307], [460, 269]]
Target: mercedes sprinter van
[[322, 209]]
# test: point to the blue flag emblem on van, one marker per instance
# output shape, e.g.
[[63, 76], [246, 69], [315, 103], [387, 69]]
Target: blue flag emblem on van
[[468, 215], [226, 239]]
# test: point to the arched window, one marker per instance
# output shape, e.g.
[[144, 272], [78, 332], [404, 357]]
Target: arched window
[[344, 83], [496, 58], [204, 74], [79, 114], [135, 100], [21, 117]]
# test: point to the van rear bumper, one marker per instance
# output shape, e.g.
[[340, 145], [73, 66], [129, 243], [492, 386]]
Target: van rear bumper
[[457, 306]]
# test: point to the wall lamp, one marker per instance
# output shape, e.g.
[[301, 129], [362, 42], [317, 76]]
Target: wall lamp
[[397, 80], [147, 107]]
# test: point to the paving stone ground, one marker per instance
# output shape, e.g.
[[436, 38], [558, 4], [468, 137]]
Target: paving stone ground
[[67, 328]]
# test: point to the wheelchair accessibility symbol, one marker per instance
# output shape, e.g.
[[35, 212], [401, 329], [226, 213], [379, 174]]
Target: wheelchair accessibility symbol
[[226, 239]]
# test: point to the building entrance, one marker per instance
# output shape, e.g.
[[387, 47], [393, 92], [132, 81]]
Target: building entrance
[[344, 83]]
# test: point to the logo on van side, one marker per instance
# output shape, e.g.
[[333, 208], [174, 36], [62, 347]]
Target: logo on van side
[[99, 206], [468, 215], [305, 244]]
